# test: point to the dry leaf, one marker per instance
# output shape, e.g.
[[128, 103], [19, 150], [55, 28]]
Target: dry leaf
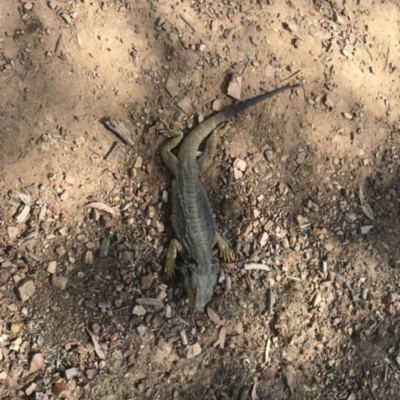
[[222, 336], [102, 207], [37, 362], [97, 348], [215, 317], [366, 208]]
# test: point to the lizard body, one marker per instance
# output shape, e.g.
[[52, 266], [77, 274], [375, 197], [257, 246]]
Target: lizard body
[[192, 217]]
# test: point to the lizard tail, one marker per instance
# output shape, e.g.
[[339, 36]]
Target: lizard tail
[[232, 111]]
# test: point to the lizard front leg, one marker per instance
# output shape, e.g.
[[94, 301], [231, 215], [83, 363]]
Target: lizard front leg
[[225, 251], [174, 248], [175, 135], [206, 159]]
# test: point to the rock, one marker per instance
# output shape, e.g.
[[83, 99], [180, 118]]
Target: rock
[[173, 37], [264, 239], [25, 289], [237, 174], [13, 232], [161, 295], [139, 310], [292, 27], [240, 164], [231, 210], [4, 276], [151, 212], [127, 256], [235, 86], [185, 104], [193, 351], [88, 258], [69, 180], [91, 373], [66, 18], [37, 362], [329, 246], [328, 102], [296, 43], [59, 282], [60, 250], [268, 225], [158, 225], [59, 388], [269, 71], [269, 374], [52, 267], [254, 40], [15, 328], [146, 281], [301, 158], [64, 196], [71, 373], [216, 105], [238, 328], [28, 6], [138, 162], [365, 229], [348, 115], [172, 85]]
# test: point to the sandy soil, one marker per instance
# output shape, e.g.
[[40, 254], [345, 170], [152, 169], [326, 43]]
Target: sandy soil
[[318, 194]]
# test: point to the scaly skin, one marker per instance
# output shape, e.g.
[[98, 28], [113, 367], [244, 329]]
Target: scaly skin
[[192, 217]]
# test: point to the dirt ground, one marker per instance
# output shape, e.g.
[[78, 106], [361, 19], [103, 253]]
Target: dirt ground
[[304, 187]]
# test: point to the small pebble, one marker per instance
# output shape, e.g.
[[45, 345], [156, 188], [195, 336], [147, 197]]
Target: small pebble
[[139, 310], [138, 162], [25, 289], [193, 351], [52, 267], [240, 164], [59, 282]]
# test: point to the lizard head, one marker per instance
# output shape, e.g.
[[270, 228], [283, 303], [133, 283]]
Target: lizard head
[[199, 287]]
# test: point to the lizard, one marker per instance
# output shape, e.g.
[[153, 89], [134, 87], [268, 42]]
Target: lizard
[[191, 214]]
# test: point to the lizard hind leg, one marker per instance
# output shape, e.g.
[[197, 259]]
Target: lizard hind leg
[[174, 248]]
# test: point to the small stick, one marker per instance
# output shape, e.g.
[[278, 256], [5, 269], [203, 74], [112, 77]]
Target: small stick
[[187, 23], [291, 76], [387, 59], [112, 150], [117, 173], [58, 43], [299, 167]]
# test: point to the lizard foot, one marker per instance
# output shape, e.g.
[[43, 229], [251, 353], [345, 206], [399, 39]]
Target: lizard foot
[[170, 267], [170, 130], [227, 254]]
